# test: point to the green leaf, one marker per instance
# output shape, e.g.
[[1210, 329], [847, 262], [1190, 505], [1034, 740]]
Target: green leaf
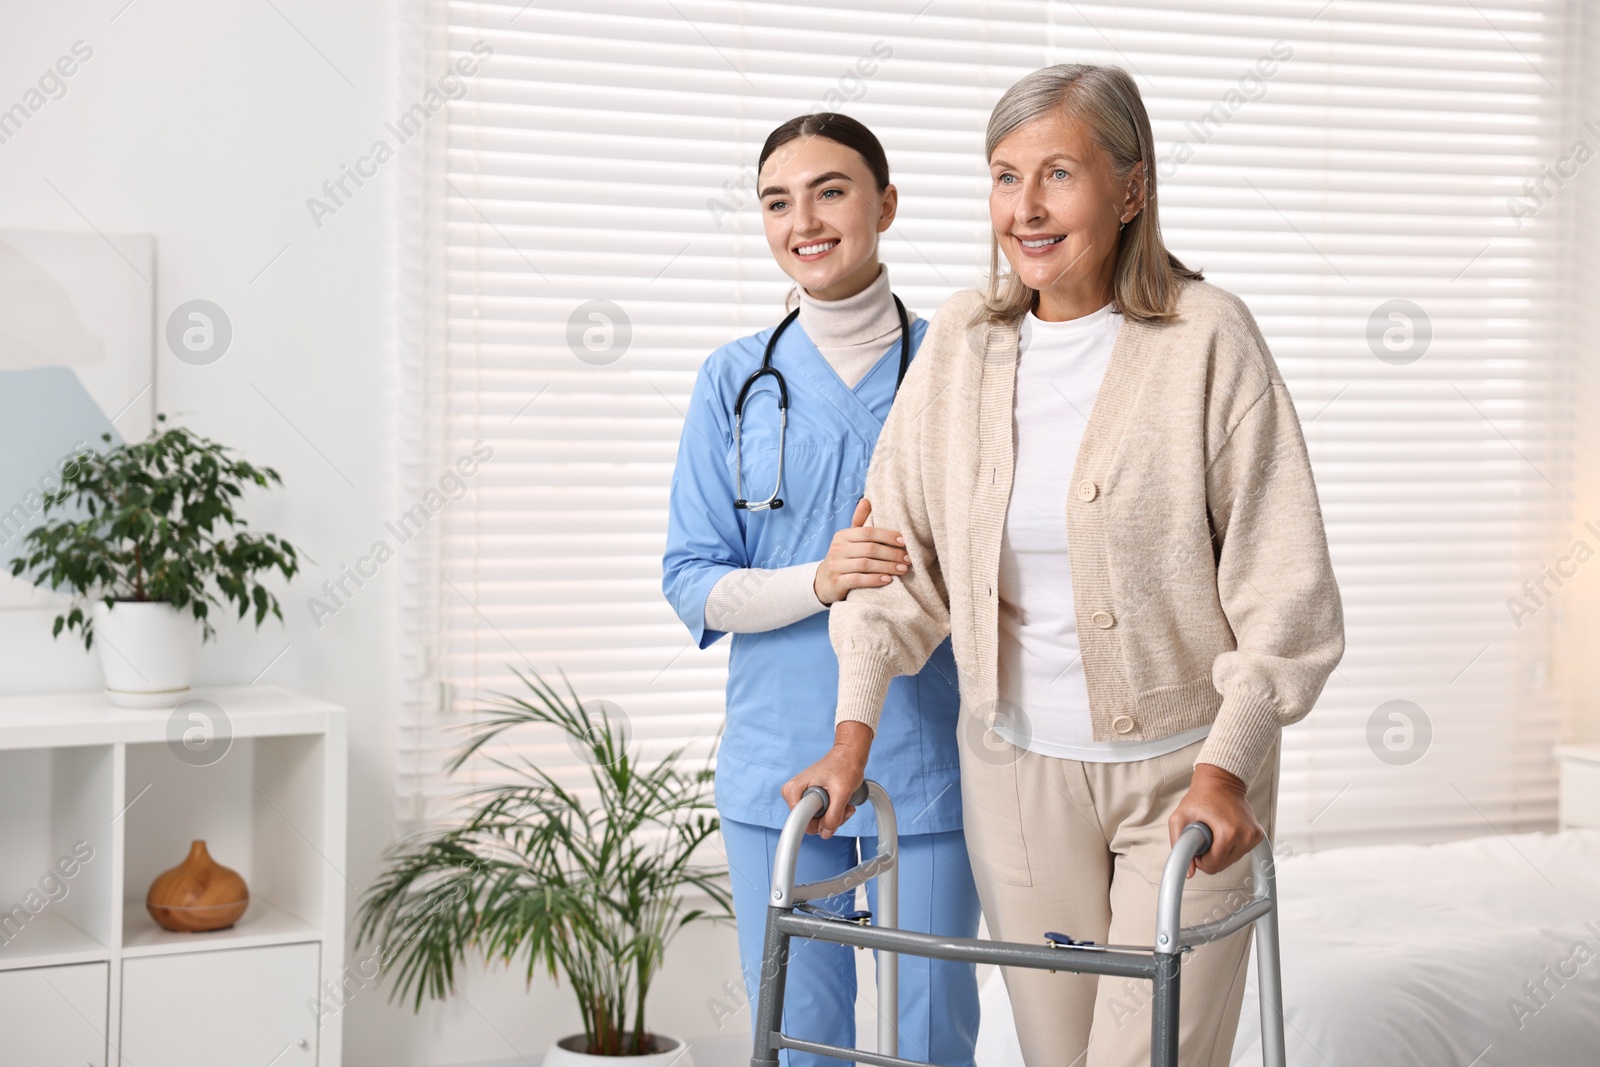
[[157, 517], [534, 872]]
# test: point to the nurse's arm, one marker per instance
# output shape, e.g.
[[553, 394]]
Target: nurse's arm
[[753, 600], [705, 542]]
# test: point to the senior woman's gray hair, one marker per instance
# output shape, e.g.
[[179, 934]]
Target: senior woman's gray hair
[[1107, 102]]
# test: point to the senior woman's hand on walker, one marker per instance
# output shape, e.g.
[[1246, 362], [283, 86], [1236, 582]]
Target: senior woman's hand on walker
[[860, 555], [1217, 798], [840, 772]]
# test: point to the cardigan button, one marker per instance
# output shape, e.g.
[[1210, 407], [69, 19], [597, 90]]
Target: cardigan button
[[1087, 490], [1103, 619], [1122, 724]]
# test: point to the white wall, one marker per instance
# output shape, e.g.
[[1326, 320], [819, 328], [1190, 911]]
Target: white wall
[[208, 125]]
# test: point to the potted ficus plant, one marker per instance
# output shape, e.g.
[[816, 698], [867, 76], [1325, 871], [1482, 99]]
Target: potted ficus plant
[[590, 888], [152, 532]]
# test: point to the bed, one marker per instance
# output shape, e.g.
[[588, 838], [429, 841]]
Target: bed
[[1483, 952]]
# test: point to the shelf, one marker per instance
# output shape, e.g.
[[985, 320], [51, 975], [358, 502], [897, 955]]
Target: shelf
[[96, 801], [264, 923], [64, 720], [48, 940]]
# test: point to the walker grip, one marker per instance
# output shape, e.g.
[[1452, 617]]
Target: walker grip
[[858, 798], [1205, 846]]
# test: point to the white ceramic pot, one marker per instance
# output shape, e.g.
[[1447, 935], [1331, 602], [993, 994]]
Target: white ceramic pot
[[146, 651], [568, 1053]]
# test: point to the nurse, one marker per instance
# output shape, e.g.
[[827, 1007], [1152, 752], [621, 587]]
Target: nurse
[[737, 562]]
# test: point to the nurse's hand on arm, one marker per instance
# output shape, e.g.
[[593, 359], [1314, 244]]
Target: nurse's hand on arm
[[860, 555]]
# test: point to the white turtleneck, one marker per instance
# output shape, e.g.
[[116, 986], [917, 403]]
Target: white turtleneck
[[852, 334]]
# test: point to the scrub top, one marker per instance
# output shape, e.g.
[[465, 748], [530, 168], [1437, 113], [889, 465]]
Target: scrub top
[[783, 684]]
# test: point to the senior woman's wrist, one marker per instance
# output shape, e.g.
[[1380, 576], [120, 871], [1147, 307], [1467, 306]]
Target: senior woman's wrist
[[853, 738], [1211, 774]]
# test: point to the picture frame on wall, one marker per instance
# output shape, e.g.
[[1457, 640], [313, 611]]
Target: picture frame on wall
[[77, 360]]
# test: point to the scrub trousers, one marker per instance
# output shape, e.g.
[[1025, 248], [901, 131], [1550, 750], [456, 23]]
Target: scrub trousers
[[938, 999]]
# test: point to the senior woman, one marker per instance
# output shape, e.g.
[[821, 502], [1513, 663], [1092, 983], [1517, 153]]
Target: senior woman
[[1104, 491]]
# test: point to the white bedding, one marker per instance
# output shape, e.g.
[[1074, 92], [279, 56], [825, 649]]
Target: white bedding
[[1396, 955]]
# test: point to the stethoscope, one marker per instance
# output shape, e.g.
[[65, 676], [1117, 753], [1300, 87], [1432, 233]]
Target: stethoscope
[[783, 407]]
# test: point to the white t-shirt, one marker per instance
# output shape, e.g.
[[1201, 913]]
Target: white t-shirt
[[1059, 370]]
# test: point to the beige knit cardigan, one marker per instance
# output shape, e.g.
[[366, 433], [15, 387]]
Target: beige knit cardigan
[[1200, 573]]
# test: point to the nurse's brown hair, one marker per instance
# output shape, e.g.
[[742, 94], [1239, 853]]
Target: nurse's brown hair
[[835, 127]]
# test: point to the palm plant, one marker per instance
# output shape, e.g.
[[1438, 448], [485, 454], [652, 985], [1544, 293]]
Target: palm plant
[[590, 890]]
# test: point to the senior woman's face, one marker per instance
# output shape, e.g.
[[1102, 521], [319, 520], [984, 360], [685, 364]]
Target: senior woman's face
[[1056, 207]]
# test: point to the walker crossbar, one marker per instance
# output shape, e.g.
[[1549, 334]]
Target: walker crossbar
[[1159, 965]]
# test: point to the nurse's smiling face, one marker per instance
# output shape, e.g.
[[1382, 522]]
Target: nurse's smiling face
[[823, 213], [1057, 208]]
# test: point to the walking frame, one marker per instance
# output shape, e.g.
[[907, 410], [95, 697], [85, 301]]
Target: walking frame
[[789, 915]]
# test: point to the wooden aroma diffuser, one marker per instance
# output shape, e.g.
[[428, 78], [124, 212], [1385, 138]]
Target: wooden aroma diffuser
[[199, 894]]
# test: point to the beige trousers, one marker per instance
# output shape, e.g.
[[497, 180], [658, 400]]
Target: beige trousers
[[1078, 848]]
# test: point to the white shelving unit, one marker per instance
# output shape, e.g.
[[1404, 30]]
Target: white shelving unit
[[95, 801]]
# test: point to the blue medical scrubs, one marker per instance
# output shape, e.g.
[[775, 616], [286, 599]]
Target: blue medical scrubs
[[783, 684]]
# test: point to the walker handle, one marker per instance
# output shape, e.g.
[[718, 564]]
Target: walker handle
[[812, 804], [1206, 836], [1195, 840], [858, 798]]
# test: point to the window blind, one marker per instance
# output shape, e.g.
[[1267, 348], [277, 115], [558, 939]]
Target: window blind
[[1380, 182]]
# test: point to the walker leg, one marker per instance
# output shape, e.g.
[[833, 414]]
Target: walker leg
[[769, 1004], [1269, 973], [889, 963], [1164, 1011]]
